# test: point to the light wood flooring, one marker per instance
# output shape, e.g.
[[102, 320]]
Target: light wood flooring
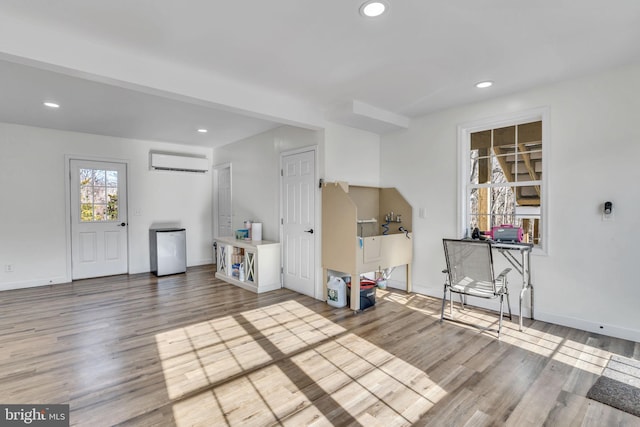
[[191, 350]]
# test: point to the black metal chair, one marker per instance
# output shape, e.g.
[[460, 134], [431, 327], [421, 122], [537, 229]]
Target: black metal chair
[[470, 273]]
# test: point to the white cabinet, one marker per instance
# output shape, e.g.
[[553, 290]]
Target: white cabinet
[[260, 261]]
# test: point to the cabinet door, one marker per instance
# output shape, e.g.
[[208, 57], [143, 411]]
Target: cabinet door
[[223, 259], [250, 266], [372, 250]]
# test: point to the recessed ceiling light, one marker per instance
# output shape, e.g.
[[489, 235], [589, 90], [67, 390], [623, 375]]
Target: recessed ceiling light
[[373, 8], [485, 84], [202, 130], [51, 104]]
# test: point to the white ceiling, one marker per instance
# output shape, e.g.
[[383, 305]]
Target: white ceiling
[[160, 69]]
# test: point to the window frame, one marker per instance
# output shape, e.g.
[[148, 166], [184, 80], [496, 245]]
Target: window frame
[[464, 147]]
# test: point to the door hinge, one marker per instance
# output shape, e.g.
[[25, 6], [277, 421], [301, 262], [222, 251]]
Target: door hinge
[[281, 172], [281, 221]]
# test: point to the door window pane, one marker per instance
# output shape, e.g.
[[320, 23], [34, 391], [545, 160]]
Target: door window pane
[[112, 178], [98, 195], [99, 178]]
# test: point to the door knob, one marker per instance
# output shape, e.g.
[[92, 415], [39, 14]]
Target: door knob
[[123, 224], [310, 231]]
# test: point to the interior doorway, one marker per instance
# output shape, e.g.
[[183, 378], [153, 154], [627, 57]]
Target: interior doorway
[[222, 208], [298, 220]]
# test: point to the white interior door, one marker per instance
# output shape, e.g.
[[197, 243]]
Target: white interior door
[[222, 200], [298, 221], [98, 218]]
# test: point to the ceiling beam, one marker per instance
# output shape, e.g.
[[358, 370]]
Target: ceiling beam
[[56, 49]]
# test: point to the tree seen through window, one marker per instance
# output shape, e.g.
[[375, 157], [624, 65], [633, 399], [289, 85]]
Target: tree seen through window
[[98, 195]]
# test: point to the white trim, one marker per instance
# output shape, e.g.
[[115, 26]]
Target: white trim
[[33, 283], [67, 194], [509, 119], [585, 325], [317, 291], [510, 184]]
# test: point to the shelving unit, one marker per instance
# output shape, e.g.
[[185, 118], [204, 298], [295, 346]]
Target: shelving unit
[[260, 260], [352, 239]]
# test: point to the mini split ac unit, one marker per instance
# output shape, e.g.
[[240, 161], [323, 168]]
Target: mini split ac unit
[[177, 162]]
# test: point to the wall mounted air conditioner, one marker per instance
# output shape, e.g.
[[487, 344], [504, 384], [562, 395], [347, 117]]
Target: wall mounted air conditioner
[[178, 162]]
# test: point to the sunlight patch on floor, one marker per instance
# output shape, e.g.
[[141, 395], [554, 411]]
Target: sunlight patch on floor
[[369, 382], [258, 398], [286, 364], [196, 356], [290, 326], [582, 356]]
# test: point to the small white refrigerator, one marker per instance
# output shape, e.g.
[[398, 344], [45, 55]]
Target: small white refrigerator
[[168, 249]]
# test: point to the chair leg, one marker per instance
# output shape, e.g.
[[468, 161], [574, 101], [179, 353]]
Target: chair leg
[[450, 303], [444, 300], [501, 311], [509, 305]]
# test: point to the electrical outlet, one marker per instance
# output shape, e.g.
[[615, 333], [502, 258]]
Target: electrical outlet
[[8, 268]]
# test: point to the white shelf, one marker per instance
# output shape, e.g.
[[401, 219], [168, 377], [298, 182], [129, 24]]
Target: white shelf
[[261, 264]]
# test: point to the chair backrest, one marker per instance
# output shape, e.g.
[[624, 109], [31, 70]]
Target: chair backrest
[[469, 260]]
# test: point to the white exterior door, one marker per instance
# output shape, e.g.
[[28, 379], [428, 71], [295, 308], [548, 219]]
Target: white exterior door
[[298, 222], [222, 200], [98, 218]]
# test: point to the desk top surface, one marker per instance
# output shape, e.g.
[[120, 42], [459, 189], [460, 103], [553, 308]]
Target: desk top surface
[[244, 243], [521, 246]]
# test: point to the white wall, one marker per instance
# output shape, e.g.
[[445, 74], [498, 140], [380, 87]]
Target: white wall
[[34, 234], [255, 175], [345, 154], [589, 278], [351, 155]]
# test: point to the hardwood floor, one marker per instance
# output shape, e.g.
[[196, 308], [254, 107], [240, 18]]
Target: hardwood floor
[[191, 350]]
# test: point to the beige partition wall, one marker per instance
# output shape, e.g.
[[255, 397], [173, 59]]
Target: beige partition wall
[[353, 242]]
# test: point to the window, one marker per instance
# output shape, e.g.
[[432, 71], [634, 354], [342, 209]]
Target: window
[[98, 195], [502, 164]]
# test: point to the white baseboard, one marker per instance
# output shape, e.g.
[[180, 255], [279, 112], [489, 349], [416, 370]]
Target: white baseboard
[[204, 261], [432, 292], [57, 280], [586, 325], [32, 283], [397, 284]]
